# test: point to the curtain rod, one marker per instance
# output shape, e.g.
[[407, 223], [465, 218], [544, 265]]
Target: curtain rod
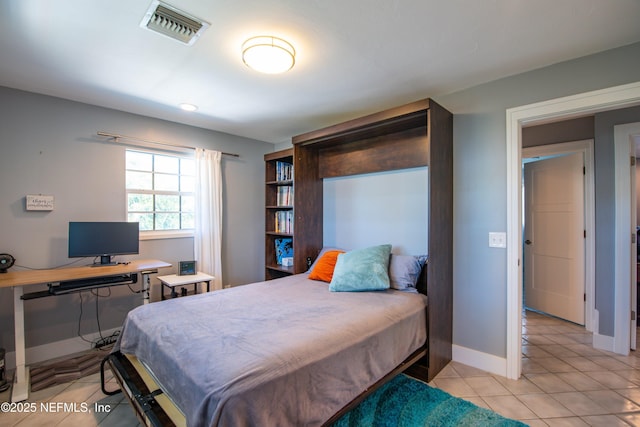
[[116, 137]]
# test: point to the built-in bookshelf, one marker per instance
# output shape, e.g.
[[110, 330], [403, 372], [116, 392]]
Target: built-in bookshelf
[[279, 217]]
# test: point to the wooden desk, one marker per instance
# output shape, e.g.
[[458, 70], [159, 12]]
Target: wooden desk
[[18, 279]]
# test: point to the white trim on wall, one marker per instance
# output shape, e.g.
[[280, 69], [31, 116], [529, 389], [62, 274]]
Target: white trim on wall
[[622, 152], [57, 349], [538, 113], [485, 361], [603, 342]]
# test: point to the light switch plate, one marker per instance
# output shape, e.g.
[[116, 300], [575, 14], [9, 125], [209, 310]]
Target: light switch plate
[[497, 240]]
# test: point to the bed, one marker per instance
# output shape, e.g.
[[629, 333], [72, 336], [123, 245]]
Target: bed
[[285, 352], [349, 344]]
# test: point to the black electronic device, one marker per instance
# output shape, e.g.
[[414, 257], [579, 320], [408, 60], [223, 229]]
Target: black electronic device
[[92, 283], [6, 261], [186, 268], [103, 239]]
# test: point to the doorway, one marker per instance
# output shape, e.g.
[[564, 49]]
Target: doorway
[[554, 236], [571, 106], [583, 236], [626, 137]]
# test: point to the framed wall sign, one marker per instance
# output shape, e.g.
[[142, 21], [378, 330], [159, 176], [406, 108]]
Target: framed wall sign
[[39, 202]]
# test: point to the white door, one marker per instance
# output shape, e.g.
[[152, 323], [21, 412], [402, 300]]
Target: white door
[[634, 249], [554, 237]]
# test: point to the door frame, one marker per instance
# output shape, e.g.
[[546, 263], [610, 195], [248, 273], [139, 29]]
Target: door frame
[[538, 113], [586, 148], [623, 267]]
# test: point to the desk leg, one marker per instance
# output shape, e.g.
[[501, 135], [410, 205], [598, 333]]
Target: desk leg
[[20, 389], [146, 283]]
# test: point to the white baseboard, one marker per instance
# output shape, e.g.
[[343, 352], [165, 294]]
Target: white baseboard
[[56, 349], [477, 359], [603, 342]]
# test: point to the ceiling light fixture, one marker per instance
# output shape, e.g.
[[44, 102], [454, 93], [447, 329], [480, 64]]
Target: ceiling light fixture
[[188, 107], [268, 54]]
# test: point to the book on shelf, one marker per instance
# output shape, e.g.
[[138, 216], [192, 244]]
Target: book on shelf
[[284, 248], [284, 171], [284, 196], [284, 222]]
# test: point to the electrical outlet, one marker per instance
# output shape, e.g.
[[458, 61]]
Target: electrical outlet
[[497, 240]]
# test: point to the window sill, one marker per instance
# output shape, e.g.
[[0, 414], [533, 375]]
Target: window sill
[[160, 235]]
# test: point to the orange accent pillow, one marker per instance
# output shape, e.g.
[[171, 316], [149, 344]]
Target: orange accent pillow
[[323, 270]]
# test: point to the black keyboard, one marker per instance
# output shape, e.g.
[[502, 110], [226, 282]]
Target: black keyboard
[[91, 283]]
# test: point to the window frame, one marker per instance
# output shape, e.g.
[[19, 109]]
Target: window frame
[[160, 234]]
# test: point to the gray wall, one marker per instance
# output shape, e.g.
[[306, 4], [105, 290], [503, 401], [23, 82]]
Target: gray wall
[[392, 203], [553, 133], [48, 146], [480, 283]]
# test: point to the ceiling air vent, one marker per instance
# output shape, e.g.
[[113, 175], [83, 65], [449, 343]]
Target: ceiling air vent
[[172, 22]]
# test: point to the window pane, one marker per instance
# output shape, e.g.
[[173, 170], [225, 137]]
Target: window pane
[[166, 164], [187, 221], [166, 203], [166, 182], [167, 221], [145, 220], [139, 180], [163, 187], [140, 202], [139, 161], [187, 184], [188, 203], [187, 167]]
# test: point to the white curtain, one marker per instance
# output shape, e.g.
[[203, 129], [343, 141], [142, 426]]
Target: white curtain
[[208, 216]]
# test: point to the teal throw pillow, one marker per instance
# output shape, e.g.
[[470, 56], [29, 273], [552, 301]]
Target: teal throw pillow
[[362, 270]]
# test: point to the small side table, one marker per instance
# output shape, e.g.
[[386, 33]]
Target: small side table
[[173, 280]]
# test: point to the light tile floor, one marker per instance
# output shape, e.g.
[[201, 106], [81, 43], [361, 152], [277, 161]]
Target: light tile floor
[[54, 406], [565, 382]]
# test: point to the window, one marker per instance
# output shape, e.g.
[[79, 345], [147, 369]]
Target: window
[[160, 191]]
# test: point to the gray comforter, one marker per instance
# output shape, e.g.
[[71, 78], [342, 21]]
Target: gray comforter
[[278, 353]]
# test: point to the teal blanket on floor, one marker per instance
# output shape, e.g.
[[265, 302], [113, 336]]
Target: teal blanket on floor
[[406, 402]]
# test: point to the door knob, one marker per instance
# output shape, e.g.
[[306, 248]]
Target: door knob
[[528, 242]]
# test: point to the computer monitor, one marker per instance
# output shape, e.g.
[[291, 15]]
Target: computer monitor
[[103, 239]]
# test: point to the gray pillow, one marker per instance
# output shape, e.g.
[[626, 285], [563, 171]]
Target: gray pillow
[[404, 271]]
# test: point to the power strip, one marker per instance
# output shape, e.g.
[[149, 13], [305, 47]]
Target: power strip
[[103, 342]]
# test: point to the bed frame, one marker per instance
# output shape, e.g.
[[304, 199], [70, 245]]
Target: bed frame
[[154, 408], [413, 135]]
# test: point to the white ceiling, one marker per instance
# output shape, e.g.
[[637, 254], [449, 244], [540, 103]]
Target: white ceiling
[[353, 56]]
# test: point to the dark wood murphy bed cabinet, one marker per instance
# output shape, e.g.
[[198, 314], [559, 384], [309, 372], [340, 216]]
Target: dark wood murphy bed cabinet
[[412, 135]]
